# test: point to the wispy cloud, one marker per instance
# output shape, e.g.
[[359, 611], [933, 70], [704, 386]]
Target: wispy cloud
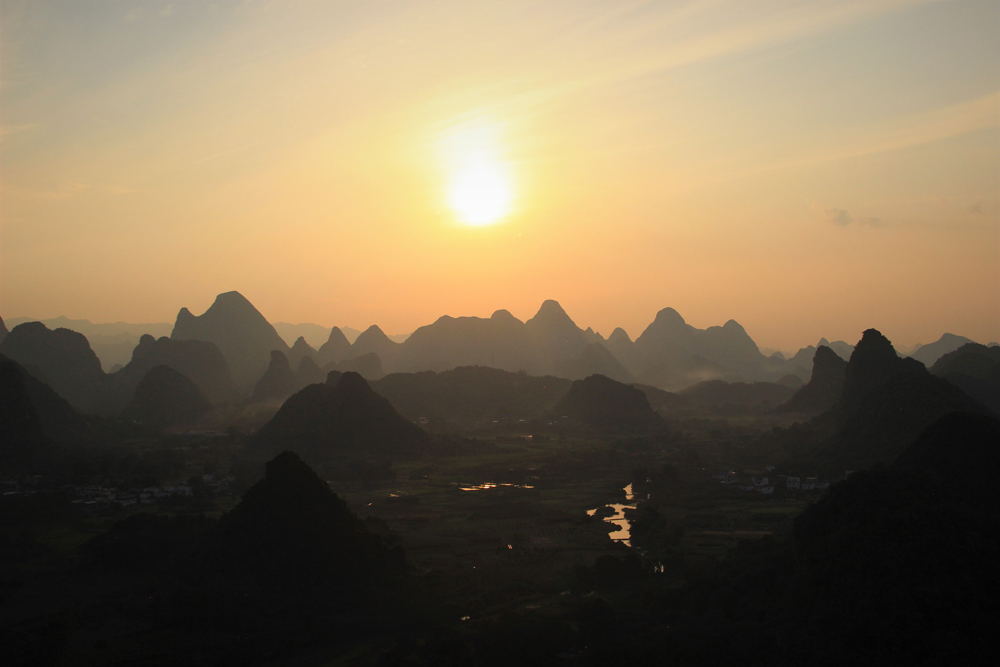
[[843, 218], [7, 130], [923, 128]]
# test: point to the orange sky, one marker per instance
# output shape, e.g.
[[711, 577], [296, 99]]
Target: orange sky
[[807, 168]]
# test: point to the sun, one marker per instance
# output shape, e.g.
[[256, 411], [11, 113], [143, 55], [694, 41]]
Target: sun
[[480, 192], [479, 185]]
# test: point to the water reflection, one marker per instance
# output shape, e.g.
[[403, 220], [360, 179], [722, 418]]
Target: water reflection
[[623, 534], [491, 485]]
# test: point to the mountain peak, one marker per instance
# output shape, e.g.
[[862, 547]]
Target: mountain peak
[[231, 300], [619, 335], [242, 333], [504, 316], [873, 342], [669, 316], [550, 310], [374, 332], [873, 362]]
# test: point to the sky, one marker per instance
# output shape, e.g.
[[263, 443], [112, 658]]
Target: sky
[[809, 169]]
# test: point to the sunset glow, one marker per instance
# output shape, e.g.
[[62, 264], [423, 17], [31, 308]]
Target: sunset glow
[[413, 161], [480, 193]]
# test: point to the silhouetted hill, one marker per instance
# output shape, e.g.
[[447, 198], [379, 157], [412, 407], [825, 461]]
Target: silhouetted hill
[[59, 421], [242, 334], [620, 345], [3, 330], [200, 361], [970, 359], [500, 341], [908, 554], [555, 336], [289, 547], [721, 397], [608, 406], [975, 369], [62, 359], [824, 388], [373, 340], [793, 382], [872, 363], [687, 372], [165, 397], [665, 403], [472, 396], [930, 353], [960, 451], [112, 342], [308, 373], [595, 359], [314, 334], [325, 422], [300, 350], [102, 330], [336, 348], [368, 366], [804, 357], [24, 447], [672, 349], [885, 403], [278, 380]]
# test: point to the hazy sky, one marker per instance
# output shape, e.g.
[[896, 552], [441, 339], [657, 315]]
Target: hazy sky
[[806, 168]]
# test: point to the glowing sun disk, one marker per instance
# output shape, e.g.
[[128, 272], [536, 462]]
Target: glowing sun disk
[[480, 192]]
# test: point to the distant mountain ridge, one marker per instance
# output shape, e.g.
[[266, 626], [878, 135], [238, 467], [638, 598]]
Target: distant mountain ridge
[[669, 354], [930, 353]]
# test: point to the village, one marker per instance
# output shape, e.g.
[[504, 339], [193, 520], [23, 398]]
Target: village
[[765, 482], [98, 500]]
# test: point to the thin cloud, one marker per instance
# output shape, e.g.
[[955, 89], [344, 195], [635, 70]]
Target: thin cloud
[[7, 130], [843, 218]]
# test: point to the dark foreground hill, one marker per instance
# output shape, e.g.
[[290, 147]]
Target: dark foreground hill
[[59, 422], [906, 557], [885, 403], [24, 447], [290, 566], [975, 369], [338, 420], [606, 405], [291, 542]]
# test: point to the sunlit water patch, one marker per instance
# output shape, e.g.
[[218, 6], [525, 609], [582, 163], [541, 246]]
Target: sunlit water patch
[[494, 485], [623, 533]]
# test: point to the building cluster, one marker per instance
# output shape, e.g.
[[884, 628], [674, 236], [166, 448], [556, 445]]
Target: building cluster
[[95, 499], [766, 484]]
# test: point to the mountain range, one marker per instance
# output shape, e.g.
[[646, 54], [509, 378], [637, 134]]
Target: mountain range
[[669, 354]]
